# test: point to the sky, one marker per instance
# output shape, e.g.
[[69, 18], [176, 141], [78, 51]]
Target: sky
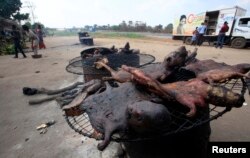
[[78, 13]]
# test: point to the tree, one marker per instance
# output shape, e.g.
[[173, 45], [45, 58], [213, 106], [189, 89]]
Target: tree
[[123, 26], [149, 29], [169, 28], [140, 26], [115, 27], [34, 26], [28, 24], [19, 17], [158, 28], [130, 23], [87, 27], [9, 7]]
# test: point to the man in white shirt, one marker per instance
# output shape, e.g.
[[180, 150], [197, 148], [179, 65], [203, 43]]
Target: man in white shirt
[[201, 30]]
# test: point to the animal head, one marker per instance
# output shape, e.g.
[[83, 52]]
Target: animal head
[[176, 58]]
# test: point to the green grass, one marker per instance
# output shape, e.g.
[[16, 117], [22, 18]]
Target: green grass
[[116, 34]]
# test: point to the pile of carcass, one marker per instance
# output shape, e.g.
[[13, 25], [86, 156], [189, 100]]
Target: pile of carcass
[[139, 103]]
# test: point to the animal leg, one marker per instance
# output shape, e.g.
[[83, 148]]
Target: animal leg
[[242, 75], [101, 146], [191, 57], [192, 110], [105, 66]]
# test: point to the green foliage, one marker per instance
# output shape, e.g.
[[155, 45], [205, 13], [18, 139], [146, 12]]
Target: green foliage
[[7, 49], [20, 17], [131, 26], [9, 7], [169, 28], [34, 26], [28, 24]]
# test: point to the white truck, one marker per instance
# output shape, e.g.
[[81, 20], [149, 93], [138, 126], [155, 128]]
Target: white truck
[[238, 35]]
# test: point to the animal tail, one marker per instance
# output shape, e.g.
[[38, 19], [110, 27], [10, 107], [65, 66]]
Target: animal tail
[[221, 96]]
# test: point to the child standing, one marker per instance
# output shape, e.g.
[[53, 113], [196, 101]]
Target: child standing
[[194, 37]]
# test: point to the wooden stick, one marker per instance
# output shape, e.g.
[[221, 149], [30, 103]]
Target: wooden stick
[[39, 101], [52, 92]]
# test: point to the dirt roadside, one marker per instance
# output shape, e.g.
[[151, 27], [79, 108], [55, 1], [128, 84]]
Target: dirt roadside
[[19, 137]]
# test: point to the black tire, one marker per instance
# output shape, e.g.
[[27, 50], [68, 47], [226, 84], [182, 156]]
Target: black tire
[[238, 43], [188, 40]]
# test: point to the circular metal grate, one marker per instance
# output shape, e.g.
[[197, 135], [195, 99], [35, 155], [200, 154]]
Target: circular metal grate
[[179, 123], [84, 64]]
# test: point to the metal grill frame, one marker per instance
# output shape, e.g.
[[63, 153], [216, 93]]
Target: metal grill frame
[[81, 124]]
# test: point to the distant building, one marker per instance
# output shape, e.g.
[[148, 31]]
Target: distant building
[[6, 26], [6, 23]]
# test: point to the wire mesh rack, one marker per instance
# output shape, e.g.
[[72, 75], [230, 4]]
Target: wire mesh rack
[[84, 64], [180, 122]]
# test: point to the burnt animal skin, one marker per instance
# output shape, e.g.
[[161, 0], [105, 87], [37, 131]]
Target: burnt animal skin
[[107, 111], [242, 68], [204, 65], [220, 75], [145, 117], [190, 93], [201, 66], [211, 71]]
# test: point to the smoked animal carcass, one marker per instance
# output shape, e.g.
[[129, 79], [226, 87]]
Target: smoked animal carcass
[[190, 93], [121, 109]]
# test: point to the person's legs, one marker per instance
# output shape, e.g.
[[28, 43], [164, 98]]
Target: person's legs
[[42, 45], [192, 42], [218, 41], [16, 51], [222, 40], [35, 50], [32, 44], [36, 42], [20, 49], [200, 39]]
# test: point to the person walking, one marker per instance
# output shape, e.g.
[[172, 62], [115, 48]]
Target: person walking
[[17, 39], [34, 37], [222, 34], [39, 33]]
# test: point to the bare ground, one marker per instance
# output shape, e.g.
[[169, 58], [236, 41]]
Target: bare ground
[[19, 137]]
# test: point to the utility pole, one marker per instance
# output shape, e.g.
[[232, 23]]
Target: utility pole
[[31, 7]]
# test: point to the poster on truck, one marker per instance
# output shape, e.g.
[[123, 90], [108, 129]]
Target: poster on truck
[[226, 15], [186, 23]]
